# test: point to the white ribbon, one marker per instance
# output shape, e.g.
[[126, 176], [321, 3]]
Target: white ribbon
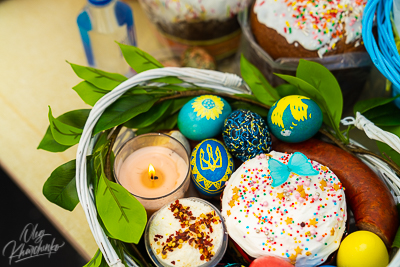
[[372, 131]]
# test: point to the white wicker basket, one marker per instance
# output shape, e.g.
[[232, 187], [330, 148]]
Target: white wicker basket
[[220, 82]]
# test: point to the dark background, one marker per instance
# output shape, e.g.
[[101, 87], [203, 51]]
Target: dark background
[[15, 213]]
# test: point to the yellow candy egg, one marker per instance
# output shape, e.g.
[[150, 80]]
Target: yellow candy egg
[[362, 249]]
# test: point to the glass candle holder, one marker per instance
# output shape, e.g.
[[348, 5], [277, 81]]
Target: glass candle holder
[[187, 232], [154, 168]]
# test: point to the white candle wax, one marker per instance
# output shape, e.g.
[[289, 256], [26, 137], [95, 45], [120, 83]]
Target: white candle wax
[[171, 171]]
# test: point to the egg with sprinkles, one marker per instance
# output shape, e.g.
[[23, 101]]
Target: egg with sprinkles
[[294, 118], [211, 166], [246, 134], [203, 117]]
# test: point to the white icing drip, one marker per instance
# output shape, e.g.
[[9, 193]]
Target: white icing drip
[[320, 16], [243, 230], [192, 10]]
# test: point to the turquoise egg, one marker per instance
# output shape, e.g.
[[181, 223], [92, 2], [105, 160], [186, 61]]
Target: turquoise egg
[[211, 166], [246, 134], [294, 118], [203, 117]]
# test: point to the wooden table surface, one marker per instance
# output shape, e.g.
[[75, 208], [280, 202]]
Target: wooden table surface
[[36, 38]]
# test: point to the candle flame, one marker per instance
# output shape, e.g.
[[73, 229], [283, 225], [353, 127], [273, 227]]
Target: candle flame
[[152, 171]]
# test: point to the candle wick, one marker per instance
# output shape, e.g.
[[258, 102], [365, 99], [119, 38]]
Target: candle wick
[[155, 177]]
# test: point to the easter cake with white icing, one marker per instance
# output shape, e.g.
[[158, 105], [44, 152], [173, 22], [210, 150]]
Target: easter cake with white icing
[[195, 19], [301, 29], [287, 206]]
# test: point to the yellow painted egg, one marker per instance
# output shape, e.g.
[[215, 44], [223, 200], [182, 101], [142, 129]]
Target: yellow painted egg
[[362, 249]]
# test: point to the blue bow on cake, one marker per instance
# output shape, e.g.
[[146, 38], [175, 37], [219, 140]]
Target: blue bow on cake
[[298, 163]]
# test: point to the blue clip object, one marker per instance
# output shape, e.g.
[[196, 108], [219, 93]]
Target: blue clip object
[[298, 164]]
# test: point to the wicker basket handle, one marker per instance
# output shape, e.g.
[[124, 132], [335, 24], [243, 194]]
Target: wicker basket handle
[[218, 81]]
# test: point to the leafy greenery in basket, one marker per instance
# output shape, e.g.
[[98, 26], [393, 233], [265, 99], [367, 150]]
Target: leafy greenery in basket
[[154, 106]]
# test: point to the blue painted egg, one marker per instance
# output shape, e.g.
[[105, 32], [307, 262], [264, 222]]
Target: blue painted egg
[[211, 166], [294, 118], [246, 134], [203, 117]]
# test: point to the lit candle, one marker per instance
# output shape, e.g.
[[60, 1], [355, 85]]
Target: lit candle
[[154, 168], [139, 171]]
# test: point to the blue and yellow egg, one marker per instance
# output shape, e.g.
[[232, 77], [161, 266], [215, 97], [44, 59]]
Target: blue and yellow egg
[[211, 166], [246, 134], [203, 117], [294, 118]]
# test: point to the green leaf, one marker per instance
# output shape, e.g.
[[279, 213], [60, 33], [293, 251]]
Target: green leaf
[[175, 88], [396, 242], [149, 117], [104, 227], [97, 260], [179, 103], [119, 249], [169, 80], [101, 79], [137, 90], [138, 59], [310, 91], [76, 118], [387, 150], [251, 97], [124, 109], [147, 129], [368, 104], [122, 214], [323, 80], [60, 187], [67, 132], [169, 123], [168, 118], [49, 144], [264, 92], [129, 251], [100, 154], [89, 93], [102, 143], [385, 115], [287, 89], [161, 124], [244, 105]]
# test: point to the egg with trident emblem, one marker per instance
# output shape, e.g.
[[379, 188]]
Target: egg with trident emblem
[[211, 166]]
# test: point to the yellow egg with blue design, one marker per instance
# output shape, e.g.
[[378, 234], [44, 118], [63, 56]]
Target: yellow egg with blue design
[[211, 166], [294, 118], [203, 117]]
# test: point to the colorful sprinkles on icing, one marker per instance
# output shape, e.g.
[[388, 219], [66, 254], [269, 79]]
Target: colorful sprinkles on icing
[[301, 220], [316, 24]]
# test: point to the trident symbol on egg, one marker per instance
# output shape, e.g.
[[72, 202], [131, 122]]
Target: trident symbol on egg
[[211, 163]]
